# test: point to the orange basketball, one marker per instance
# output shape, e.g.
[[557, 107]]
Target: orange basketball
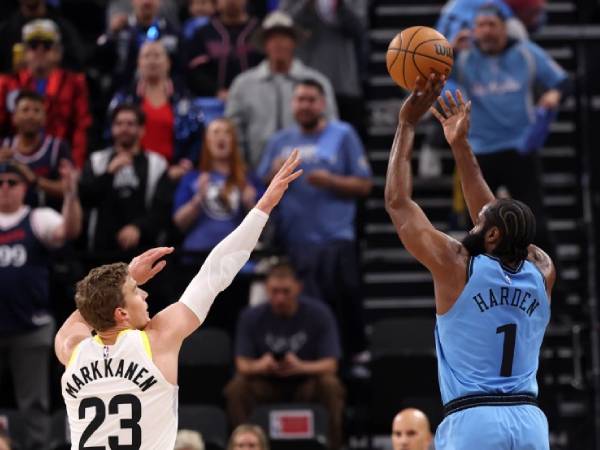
[[418, 51]]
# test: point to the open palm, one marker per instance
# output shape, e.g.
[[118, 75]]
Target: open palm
[[455, 116]]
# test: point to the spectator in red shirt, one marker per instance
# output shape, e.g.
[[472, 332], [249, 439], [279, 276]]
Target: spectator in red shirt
[[174, 121], [65, 92]]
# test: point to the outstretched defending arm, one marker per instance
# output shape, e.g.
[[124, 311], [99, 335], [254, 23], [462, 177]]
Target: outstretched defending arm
[[455, 119], [179, 320]]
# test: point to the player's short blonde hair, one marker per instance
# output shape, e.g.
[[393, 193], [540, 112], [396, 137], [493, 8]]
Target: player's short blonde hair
[[252, 429], [99, 293]]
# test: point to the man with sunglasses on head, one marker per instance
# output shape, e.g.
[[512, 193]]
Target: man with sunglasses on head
[[26, 325], [65, 93]]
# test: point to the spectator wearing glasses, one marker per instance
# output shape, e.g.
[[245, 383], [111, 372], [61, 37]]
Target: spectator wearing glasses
[[65, 93], [26, 325], [29, 10], [248, 437]]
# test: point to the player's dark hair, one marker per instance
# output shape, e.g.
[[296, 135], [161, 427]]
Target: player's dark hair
[[130, 107], [516, 223], [311, 82], [29, 95], [99, 293]]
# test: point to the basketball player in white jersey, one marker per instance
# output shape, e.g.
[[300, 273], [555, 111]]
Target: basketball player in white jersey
[[120, 386]]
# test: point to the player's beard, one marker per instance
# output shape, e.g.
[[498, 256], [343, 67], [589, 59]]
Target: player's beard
[[475, 242]]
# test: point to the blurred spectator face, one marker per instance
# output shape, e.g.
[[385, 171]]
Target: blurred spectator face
[[490, 33], [198, 8], [283, 291], [280, 47], [29, 116], [42, 55], [219, 140], [126, 130], [12, 192], [145, 10], [246, 441], [153, 62], [308, 106], [4, 443], [410, 431], [231, 7]]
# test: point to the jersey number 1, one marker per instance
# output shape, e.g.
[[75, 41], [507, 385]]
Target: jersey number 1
[[113, 408], [508, 352]]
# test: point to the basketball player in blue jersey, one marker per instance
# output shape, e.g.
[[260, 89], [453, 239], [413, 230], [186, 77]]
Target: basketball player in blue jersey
[[492, 292]]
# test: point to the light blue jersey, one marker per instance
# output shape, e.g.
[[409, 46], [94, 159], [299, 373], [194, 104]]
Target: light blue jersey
[[489, 341]]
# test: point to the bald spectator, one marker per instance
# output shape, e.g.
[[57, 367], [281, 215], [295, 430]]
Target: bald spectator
[[189, 440], [411, 430], [260, 99]]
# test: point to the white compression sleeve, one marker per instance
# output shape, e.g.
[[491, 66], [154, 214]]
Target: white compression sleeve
[[223, 263]]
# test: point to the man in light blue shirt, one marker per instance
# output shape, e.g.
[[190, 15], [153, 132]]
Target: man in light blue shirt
[[499, 75], [315, 222]]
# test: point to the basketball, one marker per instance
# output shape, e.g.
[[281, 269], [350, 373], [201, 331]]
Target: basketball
[[418, 51]]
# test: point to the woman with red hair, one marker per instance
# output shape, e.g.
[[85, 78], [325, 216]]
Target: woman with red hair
[[212, 201]]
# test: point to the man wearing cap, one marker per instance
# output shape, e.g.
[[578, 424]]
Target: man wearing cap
[[260, 99], [11, 32], [498, 74], [26, 325], [65, 92]]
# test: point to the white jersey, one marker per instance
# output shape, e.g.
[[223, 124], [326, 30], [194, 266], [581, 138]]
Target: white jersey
[[117, 398]]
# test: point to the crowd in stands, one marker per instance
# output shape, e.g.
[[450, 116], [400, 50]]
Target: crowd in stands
[[165, 130]]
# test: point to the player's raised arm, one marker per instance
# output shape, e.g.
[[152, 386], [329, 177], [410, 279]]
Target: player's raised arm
[[455, 118], [180, 319], [431, 247]]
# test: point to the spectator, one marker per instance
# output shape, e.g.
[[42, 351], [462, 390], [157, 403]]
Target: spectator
[[259, 99], [38, 153], [188, 440], [125, 192], [11, 32], [167, 9], [498, 75], [65, 93], [117, 50], [200, 12], [248, 437], [174, 121], [287, 350], [336, 32], [4, 441], [411, 431], [209, 204], [26, 325], [222, 50], [322, 244]]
